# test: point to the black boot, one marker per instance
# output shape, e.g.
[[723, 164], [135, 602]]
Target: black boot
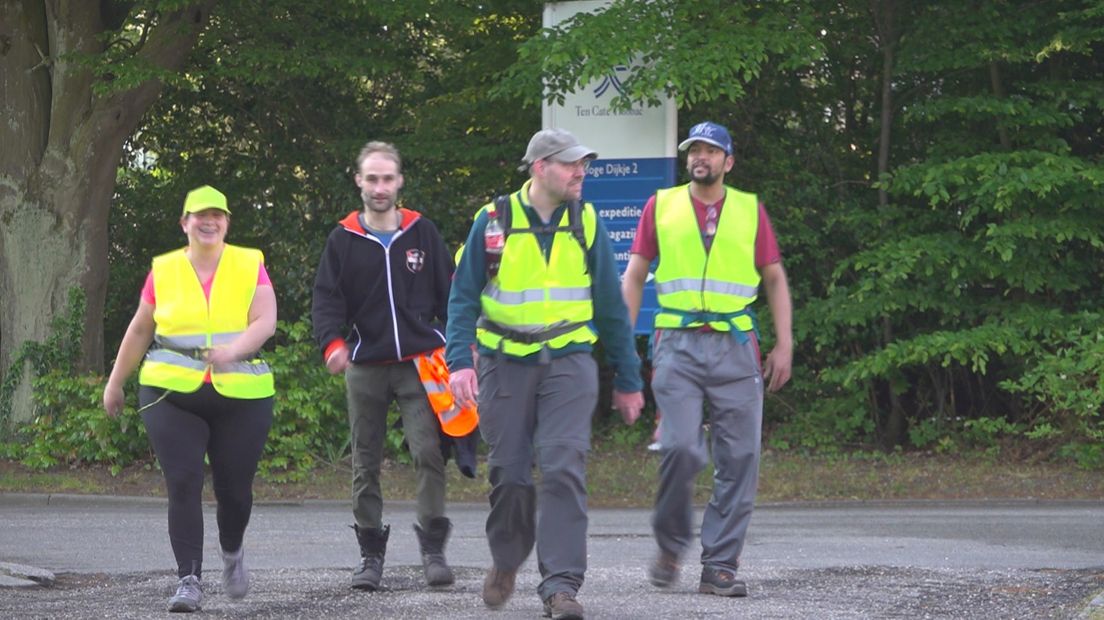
[[373, 546], [432, 541]]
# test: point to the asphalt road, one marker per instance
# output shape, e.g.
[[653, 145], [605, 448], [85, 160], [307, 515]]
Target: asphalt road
[[112, 559]]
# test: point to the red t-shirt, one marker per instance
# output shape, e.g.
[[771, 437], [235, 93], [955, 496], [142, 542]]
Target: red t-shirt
[[646, 243]]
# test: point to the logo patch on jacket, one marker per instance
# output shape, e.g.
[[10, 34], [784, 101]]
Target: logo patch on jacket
[[415, 260]]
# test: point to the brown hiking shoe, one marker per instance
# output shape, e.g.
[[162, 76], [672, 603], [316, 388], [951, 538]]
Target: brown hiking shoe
[[721, 582], [664, 570], [498, 586], [563, 606]]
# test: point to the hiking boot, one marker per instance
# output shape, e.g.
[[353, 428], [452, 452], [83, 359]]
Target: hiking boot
[[664, 570], [373, 546], [722, 582], [563, 606], [235, 579], [189, 595], [432, 541], [498, 586]]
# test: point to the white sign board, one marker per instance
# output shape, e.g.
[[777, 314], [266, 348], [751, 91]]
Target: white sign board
[[639, 132]]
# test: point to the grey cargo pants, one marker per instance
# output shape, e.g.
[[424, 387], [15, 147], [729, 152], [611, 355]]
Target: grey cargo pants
[[692, 367], [545, 409]]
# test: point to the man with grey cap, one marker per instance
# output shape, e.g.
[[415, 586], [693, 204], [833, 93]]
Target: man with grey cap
[[530, 304], [706, 349]]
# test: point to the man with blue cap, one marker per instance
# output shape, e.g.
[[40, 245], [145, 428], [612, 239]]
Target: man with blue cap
[[714, 245]]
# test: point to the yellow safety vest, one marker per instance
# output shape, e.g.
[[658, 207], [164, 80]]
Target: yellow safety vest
[[539, 303], [694, 288], [187, 324]]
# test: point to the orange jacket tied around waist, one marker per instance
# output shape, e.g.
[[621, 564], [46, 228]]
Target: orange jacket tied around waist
[[432, 370]]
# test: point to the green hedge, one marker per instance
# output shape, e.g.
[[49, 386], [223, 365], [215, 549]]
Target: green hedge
[[310, 427]]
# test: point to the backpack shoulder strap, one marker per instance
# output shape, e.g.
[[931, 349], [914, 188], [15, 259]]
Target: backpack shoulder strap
[[575, 223]]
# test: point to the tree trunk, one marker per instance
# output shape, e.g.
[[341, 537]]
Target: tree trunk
[[62, 147], [998, 91], [887, 42], [46, 249], [885, 21]]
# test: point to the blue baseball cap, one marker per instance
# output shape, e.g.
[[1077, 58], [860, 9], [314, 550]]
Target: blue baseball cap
[[710, 133]]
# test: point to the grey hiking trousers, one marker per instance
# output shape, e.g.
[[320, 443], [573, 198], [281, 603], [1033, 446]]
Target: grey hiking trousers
[[691, 368], [545, 411]]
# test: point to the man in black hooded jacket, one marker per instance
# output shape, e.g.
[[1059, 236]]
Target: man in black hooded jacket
[[380, 300]]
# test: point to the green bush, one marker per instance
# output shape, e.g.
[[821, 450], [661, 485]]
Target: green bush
[[839, 420], [70, 427], [310, 425], [59, 353], [1067, 388]]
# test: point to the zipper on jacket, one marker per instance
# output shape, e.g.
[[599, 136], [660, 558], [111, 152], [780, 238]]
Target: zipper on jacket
[[391, 292]]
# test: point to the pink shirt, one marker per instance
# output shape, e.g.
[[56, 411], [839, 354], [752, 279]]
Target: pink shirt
[[149, 297], [646, 243]]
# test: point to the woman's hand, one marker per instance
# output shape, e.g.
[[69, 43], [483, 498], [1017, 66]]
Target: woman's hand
[[221, 356], [113, 399]]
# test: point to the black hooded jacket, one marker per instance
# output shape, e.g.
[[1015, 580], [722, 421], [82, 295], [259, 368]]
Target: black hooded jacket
[[387, 304]]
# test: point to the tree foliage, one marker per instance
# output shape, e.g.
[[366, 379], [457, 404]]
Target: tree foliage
[[77, 78], [278, 100], [932, 284]]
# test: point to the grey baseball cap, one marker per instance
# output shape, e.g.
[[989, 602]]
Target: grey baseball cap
[[557, 144]]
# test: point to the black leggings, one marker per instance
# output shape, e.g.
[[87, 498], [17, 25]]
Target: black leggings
[[231, 432]]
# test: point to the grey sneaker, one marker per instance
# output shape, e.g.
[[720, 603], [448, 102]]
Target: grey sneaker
[[664, 570], [189, 595], [722, 582], [563, 606], [235, 579]]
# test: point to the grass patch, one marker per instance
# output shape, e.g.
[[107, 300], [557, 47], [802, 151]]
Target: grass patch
[[625, 476], [32, 482]]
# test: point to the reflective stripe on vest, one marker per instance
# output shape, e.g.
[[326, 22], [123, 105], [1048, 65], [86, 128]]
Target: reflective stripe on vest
[[187, 324], [434, 375], [530, 294], [695, 288]]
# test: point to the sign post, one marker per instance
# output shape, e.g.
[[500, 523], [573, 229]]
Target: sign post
[[636, 150]]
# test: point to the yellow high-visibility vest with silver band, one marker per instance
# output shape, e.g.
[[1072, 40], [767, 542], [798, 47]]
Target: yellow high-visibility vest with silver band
[[694, 289], [533, 303], [187, 324]]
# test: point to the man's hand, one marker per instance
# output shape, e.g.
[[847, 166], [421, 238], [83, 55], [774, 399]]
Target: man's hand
[[628, 404], [338, 360], [465, 387], [778, 367]]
